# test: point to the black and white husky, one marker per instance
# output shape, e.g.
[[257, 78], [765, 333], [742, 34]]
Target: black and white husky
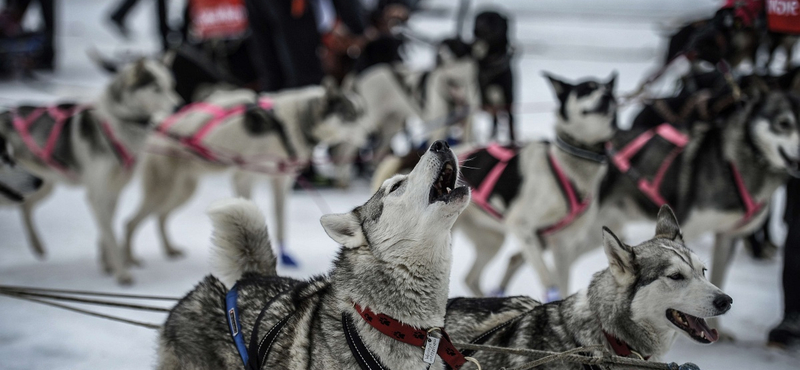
[[94, 146], [544, 194], [255, 135], [649, 294], [15, 182], [394, 261]]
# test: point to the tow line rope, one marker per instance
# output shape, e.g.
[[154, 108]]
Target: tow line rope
[[47, 296]]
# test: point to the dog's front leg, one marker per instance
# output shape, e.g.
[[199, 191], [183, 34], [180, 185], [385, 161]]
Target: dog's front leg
[[532, 248], [103, 200], [280, 188], [27, 217]]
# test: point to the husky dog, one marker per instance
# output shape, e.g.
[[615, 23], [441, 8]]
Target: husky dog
[[723, 179], [649, 294], [494, 53], [395, 260], [274, 142], [527, 201], [392, 94], [93, 146], [15, 182]]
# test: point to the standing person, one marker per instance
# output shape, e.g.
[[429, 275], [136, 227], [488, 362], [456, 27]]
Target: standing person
[[118, 16], [787, 333], [287, 35], [16, 9]]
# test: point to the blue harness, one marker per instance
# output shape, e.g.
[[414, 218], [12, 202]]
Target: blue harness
[[234, 324]]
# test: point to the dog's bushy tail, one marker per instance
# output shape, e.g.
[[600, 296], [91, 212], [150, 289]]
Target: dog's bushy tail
[[240, 239]]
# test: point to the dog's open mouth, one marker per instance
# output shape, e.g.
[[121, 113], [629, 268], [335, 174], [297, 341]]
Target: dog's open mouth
[[792, 165], [696, 327], [444, 186]]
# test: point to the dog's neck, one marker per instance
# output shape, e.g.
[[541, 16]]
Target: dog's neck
[[739, 148], [413, 291], [131, 127], [608, 308]]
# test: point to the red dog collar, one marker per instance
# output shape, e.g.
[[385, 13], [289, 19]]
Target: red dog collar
[[410, 335], [621, 348]]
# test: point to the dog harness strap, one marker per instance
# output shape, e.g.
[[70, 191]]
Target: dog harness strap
[[621, 348], [234, 324], [416, 337], [622, 158], [751, 208], [481, 193], [576, 207], [218, 116], [258, 351], [122, 152], [365, 358], [60, 117], [580, 152]]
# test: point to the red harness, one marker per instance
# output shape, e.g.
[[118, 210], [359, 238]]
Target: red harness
[[621, 348], [651, 189], [481, 193], [416, 337], [60, 117], [219, 115]]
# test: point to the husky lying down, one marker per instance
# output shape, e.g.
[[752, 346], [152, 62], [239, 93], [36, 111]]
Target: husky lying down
[[395, 260], [648, 295]]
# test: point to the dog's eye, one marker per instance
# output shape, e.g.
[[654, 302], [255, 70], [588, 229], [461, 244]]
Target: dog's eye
[[395, 186], [676, 276]]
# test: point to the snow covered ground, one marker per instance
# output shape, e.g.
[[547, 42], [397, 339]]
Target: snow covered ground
[[568, 38]]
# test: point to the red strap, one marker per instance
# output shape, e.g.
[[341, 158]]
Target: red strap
[[124, 155], [751, 208], [621, 348], [576, 207], [480, 194], [408, 334], [60, 117]]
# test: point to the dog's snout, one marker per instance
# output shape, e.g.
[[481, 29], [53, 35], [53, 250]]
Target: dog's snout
[[439, 146], [723, 302], [37, 182]]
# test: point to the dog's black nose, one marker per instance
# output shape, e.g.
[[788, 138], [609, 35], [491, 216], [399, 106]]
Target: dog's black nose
[[37, 182], [723, 302], [439, 146]]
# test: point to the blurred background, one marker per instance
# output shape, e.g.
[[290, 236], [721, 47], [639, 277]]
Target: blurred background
[[568, 38]]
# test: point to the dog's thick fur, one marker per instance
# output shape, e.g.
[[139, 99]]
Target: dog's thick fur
[[15, 182], [395, 259], [632, 300], [586, 119], [304, 117], [140, 94]]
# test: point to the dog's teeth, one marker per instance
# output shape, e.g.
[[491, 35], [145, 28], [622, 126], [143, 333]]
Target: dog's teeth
[[448, 189]]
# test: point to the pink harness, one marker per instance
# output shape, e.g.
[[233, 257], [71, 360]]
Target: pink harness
[[218, 116], [481, 193], [60, 117], [622, 159]]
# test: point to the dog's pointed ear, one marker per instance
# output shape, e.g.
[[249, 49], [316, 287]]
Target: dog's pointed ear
[[345, 229], [560, 87], [620, 257], [667, 224], [612, 80]]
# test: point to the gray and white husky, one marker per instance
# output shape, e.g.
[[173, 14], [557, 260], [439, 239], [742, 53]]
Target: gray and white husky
[[259, 141], [649, 294], [15, 182], [92, 146], [395, 259], [530, 198]]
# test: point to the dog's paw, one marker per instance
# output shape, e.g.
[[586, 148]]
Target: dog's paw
[[288, 260], [497, 292], [174, 253], [131, 261], [125, 279]]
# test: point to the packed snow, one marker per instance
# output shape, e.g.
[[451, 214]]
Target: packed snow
[[572, 39]]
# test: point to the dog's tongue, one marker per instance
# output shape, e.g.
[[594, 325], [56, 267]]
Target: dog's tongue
[[700, 325]]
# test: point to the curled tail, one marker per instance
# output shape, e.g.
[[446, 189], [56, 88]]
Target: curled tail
[[240, 239]]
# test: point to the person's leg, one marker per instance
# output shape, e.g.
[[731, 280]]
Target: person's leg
[[47, 58], [788, 331], [163, 25], [263, 52]]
